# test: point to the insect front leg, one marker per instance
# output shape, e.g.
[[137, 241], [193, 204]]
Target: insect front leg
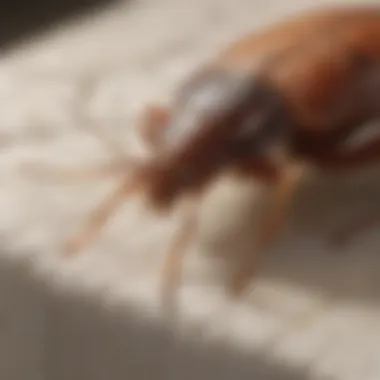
[[152, 125], [100, 215]]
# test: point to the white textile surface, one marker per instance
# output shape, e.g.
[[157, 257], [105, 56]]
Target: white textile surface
[[312, 314]]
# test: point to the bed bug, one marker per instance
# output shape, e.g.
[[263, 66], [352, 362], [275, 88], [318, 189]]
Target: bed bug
[[268, 106]]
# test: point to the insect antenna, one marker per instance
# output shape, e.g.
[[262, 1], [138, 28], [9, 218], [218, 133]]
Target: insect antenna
[[84, 173]]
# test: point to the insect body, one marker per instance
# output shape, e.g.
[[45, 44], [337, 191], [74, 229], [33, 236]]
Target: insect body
[[265, 107]]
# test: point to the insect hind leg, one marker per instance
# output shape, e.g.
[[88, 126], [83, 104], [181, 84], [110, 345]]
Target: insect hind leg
[[274, 219]]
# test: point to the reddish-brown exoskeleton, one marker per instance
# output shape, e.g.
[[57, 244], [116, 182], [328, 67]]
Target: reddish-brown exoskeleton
[[269, 104]]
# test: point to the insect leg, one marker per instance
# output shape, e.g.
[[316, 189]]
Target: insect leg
[[274, 218], [100, 216], [175, 255]]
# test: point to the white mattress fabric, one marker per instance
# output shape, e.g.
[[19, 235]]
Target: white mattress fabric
[[313, 312]]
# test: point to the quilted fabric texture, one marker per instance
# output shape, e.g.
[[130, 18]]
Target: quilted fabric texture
[[313, 313]]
